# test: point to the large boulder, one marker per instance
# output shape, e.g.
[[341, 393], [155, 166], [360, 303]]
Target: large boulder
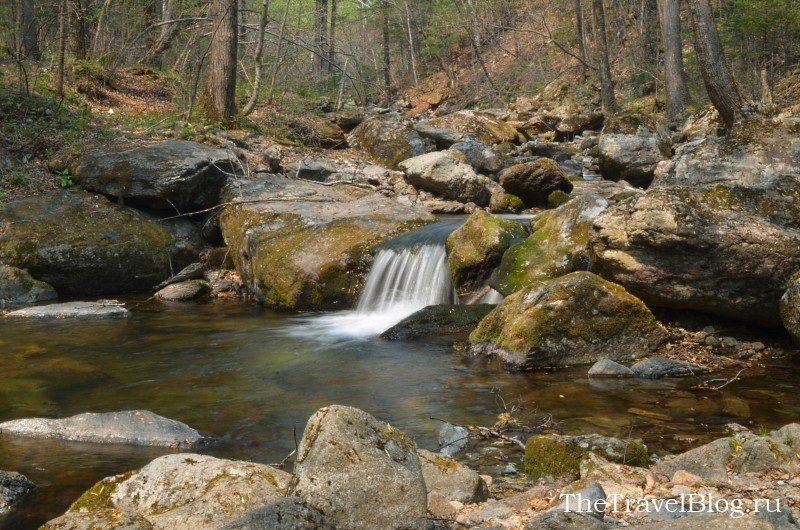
[[632, 157], [133, 427], [480, 125], [475, 248], [449, 480], [559, 244], [790, 308], [173, 174], [446, 174], [299, 245], [81, 244], [362, 473], [288, 513], [389, 139], [17, 287], [574, 319], [482, 157], [176, 492], [723, 249], [534, 181]]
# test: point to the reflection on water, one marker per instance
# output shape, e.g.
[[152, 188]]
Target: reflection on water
[[252, 377]]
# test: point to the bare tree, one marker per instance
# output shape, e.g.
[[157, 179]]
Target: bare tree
[[220, 89], [717, 78], [29, 28], [579, 26], [259, 60], [76, 25], [607, 98], [674, 74]]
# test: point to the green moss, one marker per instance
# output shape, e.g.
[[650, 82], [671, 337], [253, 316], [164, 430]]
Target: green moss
[[636, 454], [98, 497], [444, 464], [623, 195], [545, 457], [557, 198], [502, 202]]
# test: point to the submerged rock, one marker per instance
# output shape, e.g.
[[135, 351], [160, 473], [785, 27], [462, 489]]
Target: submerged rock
[[18, 288], [299, 245], [81, 244], [360, 472], [477, 246], [13, 489], [609, 368], [438, 320], [558, 245], [134, 427], [176, 492], [575, 319], [659, 367], [77, 310], [173, 174]]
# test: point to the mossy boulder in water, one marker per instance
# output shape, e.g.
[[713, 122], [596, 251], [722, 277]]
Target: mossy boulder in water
[[389, 139], [724, 249], [575, 319], [534, 181], [299, 245], [560, 457], [558, 245], [475, 248], [17, 287], [81, 244]]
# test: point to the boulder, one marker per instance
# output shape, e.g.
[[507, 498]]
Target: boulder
[[289, 513], [502, 202], [555, 456], [184, 291], [436, 321], [558, 245], [574, 319], [726, 250], [176, 492], [360, 472], [480, 125], [18, 288], [446, 174], [632, 157], [76, 310], [81, 244], [452, 439], [443, 138], [482, 157], [562, 520], [133, 427], [299, 245], [451, 480], [477, 246], [534, 181], [609, 368], [660, 367], [389, 139], [173, 174], [790, 308], [13, 489]]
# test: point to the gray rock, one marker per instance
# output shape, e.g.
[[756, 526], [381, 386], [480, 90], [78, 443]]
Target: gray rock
[[173, 174], [361, 473], [451, 480], [184, 291], [444, 138], [18, 288], [574, 319], [437, 321], [289, 513], [658, 367], [13, 489], [609, 368], [482, 126], [558, 520], [447, 175], [716, 521], [389, 138], [631, 157], [82, 244], [790, 308], [483, 158], [193, 271], [134, 427], [452, 439], [176, 492], [73, 310], [590, 500]]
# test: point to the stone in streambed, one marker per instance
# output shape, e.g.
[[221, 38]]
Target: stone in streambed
[[73, 310]]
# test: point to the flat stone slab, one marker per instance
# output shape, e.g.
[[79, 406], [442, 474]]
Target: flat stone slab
[[73, 310], [134, 427]]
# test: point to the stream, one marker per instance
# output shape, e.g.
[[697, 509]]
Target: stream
[[252, 377]]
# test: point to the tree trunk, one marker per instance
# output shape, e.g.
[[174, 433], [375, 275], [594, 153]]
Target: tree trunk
[[259, 60], [166, 35], [76, 23], [387, 79], [62, 47], [581, 37], [607, 98], [332, 38], [278, 56], [320, 37], [674, 74], [717, 77], [220, 88], [29, 28]]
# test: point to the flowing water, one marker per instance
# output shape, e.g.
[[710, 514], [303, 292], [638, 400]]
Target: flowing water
[[252, 377]]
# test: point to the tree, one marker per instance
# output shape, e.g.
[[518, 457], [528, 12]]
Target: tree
[[76, 23], [220, 88], [717, 78], [674, 74], [581, 30], [607, 98], [30, 31]]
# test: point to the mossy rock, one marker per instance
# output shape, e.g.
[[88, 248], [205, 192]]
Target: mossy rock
[[629, 123], [502, 202], [534, 181], [575, 319], [435, 321], [81, 244], [557, 198], [558, 245], [389, 139], [299, 245], [480, 125], [475, 248], [553, 456]]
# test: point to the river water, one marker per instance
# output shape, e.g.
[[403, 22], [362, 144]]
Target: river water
[[251, 377]]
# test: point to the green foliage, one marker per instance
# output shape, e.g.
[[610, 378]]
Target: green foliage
[[64, 178], [20, 178]]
